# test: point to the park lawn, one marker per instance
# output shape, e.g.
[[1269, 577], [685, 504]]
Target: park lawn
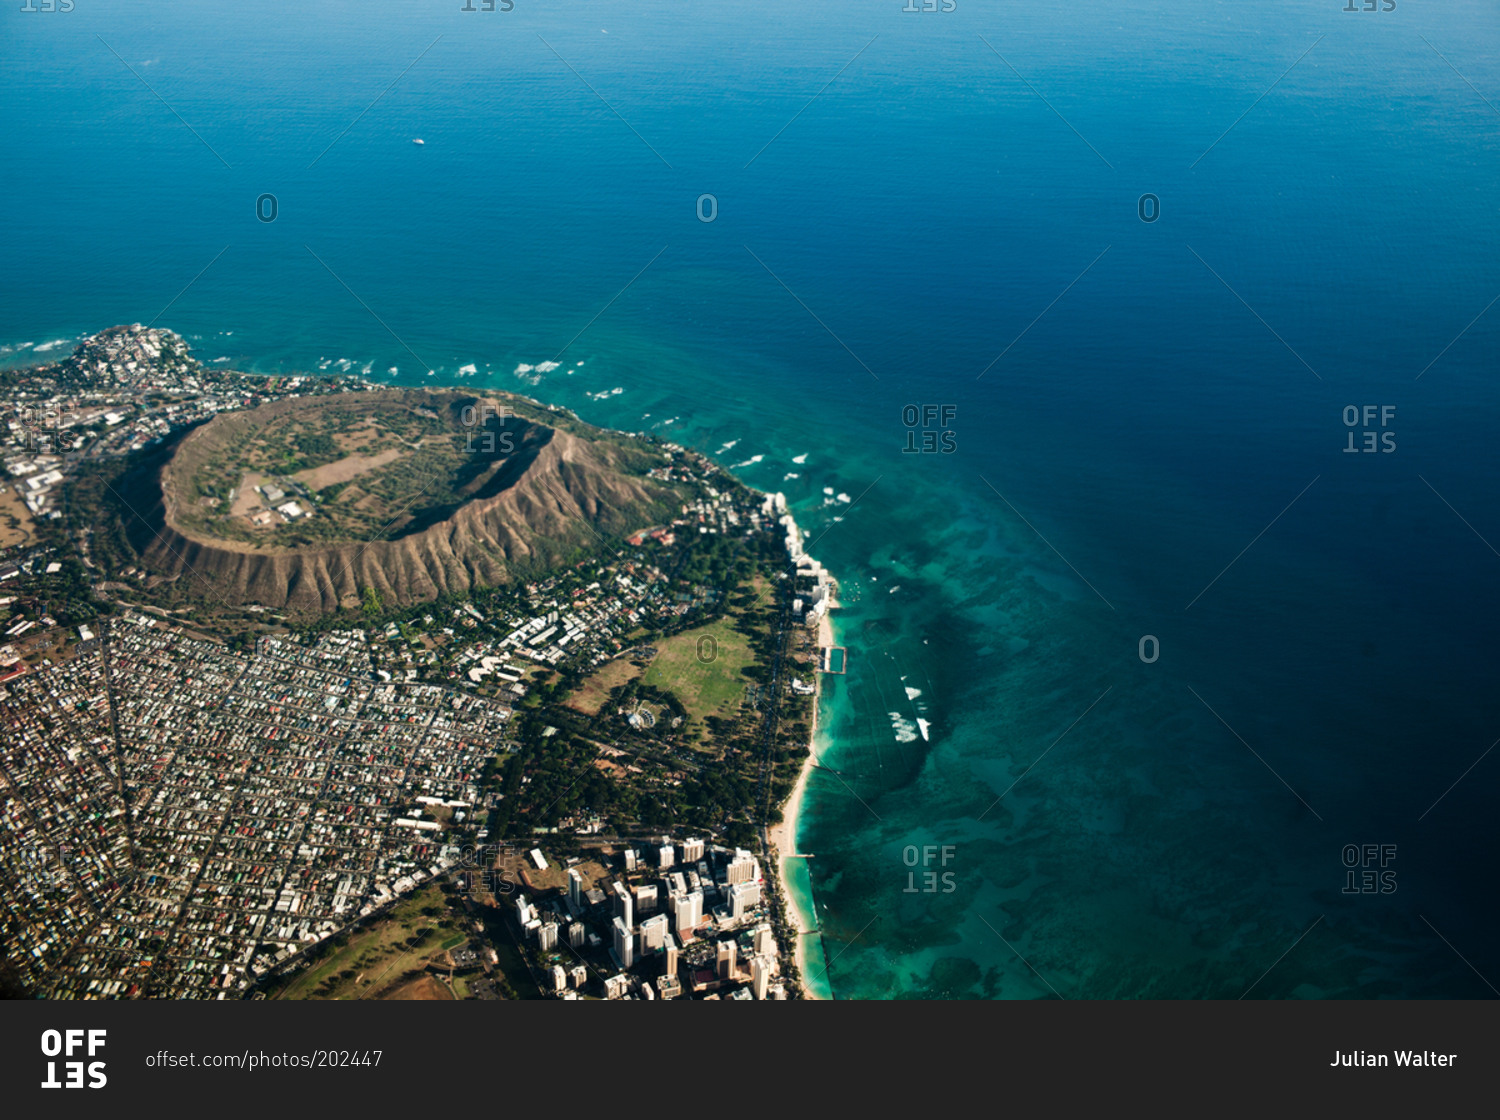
[[375, 953], [592, 694], [705, 688]]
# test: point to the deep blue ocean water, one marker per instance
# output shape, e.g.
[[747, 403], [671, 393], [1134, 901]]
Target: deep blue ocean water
[[1327, 230]]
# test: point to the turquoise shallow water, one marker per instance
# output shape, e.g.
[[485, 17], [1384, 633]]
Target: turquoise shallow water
[[1112, 827]]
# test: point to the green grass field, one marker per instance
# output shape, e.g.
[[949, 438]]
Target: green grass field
[[377, 955], [701, 667]]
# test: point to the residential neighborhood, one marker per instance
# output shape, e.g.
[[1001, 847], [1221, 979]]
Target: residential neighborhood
[[198, 801]]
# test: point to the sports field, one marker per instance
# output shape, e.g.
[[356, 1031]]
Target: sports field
[[701, 667]]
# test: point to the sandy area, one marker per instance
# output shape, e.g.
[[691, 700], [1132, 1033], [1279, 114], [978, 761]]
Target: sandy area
[[344, 469], [13, 505], [422, 988], [246, 500], [784, 835]]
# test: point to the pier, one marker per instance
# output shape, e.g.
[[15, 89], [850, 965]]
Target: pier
[[833, 659]]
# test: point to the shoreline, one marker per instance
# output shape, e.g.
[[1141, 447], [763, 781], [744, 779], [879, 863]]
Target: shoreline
[[783, 837]]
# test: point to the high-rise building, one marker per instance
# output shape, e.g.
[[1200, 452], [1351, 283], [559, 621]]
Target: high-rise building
[[760, 976], [624, 904], [630, 859], [575, 889], [666, 857], [645, 898], [615, 986], [654, 933], [523, 910], [559, 979], [577, 934], [765, 940], [692, 850], [546, 937], [669, 961], [689, 912], [725, 959], [743, 897], [742, 868], [624, 943], [580, 975]]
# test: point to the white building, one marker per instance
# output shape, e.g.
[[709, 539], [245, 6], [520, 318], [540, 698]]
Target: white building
[[624, 943], [725, 959], [742, 868], [688, 914], [624, 903], [760, 976], [654, 933], [765, 940], [645, 898], [743, 897]]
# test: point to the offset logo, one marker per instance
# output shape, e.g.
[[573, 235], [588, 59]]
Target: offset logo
[[67, 1044], [1364, 421], [933, 882], [929, 429], [1367, 869], [480, 417]]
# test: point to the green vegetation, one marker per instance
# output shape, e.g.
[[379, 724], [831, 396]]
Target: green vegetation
[[406, 460], [703, 668], [363, 465], [382, 459], [719, 750], [382, 958]]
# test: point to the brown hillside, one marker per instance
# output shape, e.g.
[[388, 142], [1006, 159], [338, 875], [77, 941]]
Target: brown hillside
[[558, 487]]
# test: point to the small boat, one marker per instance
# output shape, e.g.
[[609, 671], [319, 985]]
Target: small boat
[[419, 140]]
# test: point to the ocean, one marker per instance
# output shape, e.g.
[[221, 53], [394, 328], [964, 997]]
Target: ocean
[[1207, 688]]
